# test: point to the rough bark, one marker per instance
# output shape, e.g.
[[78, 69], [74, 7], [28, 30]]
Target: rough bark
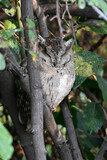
[[71, 131], [38, 11], [35, 84], [87, 12], [50, 9], [56, 136], [102, 154], [8, 95]]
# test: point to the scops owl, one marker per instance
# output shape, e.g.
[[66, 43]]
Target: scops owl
[[57, 76], [56, 70]]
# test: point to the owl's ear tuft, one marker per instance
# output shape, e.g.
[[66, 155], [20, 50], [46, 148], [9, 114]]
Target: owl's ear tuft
[[68, 44]]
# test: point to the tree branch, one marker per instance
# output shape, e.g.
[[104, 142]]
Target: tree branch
[[41, 19], [50, 9], [11, 62], [8, 97], [103, 149], [59, 24], [90, 95], [35, 83], [70, 131], [95, 46], [71, 24], [56, 136], [99, 12], [87, 12], [49, 121]]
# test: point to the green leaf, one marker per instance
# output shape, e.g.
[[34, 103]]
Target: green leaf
[[32, 53], [72, 1], [6, 34], [10, 12], [49, 149], [103, 85], [97, 26], [2, 62], [86, 64], [23, 158], [100, 4], [14, 46], [30, 22], [13, 42], [18, 29], [9, 25], [3, 44], [93, 117], [81, 4], [6, 148], [31, 35], [6, 3], [87, 140]]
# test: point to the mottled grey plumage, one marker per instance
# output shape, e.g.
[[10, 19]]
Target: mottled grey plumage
[[24, 108], [57, 75], [57, 72]]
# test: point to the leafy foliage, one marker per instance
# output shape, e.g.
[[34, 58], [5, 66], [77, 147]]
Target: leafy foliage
[[6, 148], [32, 53], [7, 34], [32, 35], [9, 25], [10, 12], [72, 1], [91, 117], [102, 84], [81, 4], [86, 64], [30, 22], [100, 4], [87, 117], [90, 143], [49, 149], [6, 3], [2, 62], [97, 26]]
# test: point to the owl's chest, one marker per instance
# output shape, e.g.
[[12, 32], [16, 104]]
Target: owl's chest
[[56, 82]]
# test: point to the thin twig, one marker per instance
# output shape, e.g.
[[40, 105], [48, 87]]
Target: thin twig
[[90, 95], [95, 46], [59, 23], [70, 17], [103, 149]]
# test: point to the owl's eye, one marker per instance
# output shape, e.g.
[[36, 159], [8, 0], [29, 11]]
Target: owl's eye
[[54, 64], [44, 59]]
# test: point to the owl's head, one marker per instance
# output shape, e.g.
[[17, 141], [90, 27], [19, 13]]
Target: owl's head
[[52, 53]]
